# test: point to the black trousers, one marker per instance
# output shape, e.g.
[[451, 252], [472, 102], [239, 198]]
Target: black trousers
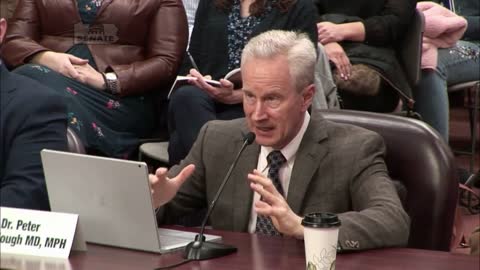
[[189, 109]]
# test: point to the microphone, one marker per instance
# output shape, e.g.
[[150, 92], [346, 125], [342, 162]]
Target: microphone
[[199, 249]]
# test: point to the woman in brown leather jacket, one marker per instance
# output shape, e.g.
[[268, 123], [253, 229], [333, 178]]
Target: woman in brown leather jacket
[[108, 57]]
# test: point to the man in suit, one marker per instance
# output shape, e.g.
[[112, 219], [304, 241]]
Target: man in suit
[[32, 118], [327, 167]]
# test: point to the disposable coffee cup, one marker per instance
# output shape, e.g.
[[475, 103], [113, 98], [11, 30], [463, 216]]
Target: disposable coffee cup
[[321, 240]]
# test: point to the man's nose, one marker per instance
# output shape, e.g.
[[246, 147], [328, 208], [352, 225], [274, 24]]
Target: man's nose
[[259, 112]]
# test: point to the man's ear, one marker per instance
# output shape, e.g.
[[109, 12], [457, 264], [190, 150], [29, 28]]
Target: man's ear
[[308, 94], [3, 29]]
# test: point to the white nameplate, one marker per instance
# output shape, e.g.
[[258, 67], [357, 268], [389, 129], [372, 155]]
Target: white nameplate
[[15, 261], [37, 233]]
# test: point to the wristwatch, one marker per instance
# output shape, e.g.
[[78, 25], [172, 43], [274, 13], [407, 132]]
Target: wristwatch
[[111, 82]]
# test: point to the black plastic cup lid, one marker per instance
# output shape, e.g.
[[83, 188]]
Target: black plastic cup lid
[[321, 220]]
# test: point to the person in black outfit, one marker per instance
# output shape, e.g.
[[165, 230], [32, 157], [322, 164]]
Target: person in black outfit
[[24, 131]]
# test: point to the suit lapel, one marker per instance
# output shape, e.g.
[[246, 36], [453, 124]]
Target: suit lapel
[[311, 152], [243, 196]]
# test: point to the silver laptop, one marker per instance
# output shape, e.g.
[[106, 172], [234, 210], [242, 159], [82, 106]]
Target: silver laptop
[[113, 200]]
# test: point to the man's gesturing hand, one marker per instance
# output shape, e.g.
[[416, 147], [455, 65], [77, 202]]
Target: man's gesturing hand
[[163, 188], [273, 204]]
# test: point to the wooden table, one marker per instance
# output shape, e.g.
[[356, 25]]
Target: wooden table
[[254, 252]]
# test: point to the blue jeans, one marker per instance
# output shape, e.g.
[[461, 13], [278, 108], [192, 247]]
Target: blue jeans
[[455, 65]]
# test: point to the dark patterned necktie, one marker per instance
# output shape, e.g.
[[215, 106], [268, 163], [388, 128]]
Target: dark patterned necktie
[[275, 160]]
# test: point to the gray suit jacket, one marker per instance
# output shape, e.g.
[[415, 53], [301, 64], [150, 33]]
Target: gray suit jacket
[[338, 168]]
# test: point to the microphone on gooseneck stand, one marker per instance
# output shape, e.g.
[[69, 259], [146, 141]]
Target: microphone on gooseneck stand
[[199, 249]]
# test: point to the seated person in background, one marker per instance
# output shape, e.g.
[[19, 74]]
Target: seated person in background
[[222, 27], [24, 132], [359, 38], [319, 166], [109, 58], [446, 60]]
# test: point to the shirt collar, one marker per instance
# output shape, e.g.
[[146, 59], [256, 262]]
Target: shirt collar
[[290, 150]]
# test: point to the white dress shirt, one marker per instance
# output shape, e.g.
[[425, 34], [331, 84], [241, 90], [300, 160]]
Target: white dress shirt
[[289, 152]]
